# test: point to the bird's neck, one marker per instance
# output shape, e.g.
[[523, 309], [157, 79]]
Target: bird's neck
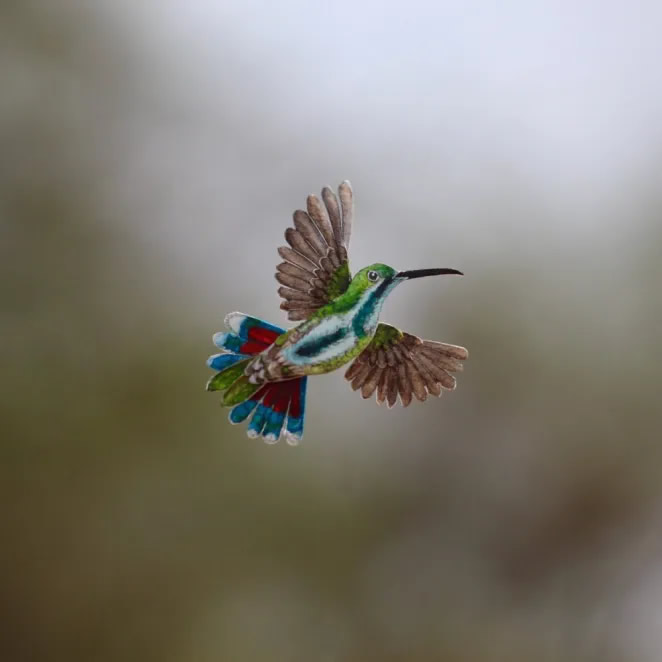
[[363, 311]]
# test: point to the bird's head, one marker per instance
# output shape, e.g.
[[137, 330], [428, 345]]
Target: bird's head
[[381, 279], [372, 284]]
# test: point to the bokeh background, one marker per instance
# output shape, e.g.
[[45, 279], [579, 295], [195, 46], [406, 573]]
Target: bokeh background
[[151, 155]]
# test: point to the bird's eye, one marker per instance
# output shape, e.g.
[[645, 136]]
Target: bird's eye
[[373, 276]]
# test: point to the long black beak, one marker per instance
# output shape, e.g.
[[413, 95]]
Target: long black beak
[[420, 273]]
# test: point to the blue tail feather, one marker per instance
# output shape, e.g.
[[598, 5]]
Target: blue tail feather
[[294, 432], [294, 428], [258, 421], [274, 426], [241, 412], [227, 341], [222, 361]]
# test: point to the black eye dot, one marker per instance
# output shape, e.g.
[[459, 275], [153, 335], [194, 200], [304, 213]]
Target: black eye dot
[[373, 276]]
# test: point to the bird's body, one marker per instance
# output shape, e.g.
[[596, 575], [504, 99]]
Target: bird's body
[[264, 369], [334, 335]]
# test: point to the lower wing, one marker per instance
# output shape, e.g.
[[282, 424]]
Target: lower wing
[[398, 363]]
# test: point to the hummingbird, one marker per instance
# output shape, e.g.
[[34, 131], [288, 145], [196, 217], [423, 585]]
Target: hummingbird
[[263, 369]]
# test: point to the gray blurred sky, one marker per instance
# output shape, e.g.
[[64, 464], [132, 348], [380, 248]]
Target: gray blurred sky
[[572, 87]]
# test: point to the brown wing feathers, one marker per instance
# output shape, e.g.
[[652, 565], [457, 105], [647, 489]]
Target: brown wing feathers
[[317, 249], [406, 366], [347, 204]]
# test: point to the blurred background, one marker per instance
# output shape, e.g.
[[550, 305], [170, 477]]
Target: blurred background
[[151, 156]]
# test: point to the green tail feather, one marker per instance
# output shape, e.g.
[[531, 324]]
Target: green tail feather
[[240, 390], [223, 379], [235, 384]]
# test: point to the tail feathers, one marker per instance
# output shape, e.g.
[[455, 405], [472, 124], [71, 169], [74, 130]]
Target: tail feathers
[[274, 406], [277, 407]]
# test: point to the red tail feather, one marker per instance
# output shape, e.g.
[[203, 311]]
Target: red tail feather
[[261, 335], [258, 340]]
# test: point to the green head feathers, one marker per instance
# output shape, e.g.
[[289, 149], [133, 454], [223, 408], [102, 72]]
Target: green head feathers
[[376, 281], [381, 277], [372, 276]]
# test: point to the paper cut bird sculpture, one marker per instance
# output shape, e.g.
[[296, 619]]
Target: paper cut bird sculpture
[[263, 369]]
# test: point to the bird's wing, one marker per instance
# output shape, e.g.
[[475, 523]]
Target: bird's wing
[[315, 268], [396, 362]]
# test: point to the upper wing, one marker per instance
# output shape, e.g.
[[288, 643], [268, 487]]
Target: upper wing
[[316, 269], [397, 362]]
